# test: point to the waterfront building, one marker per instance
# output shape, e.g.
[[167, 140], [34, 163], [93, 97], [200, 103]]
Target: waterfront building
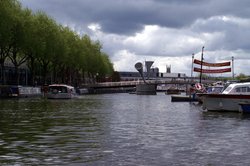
[[9, 77], [154, 74]]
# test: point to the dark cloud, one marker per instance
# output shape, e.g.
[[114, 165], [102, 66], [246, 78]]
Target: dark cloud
[[126, 17]]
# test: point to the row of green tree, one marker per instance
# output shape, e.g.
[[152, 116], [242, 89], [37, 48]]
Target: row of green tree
[[50, 50]]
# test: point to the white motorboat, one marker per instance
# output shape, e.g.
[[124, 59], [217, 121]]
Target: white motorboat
[[60, 91], [229, 99]]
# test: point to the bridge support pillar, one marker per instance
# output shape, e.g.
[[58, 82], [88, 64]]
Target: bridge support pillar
[[146, 89]]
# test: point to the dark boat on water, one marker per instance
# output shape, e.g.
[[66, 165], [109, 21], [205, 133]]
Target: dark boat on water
[[171, 91], [180, 98]]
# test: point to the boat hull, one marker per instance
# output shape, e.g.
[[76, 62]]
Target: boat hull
[[19, 92], [245, 107], [172, 91], [179, 98], [223, 102], [60, 96]]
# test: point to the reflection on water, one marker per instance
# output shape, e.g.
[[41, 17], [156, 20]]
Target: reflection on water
[[120, 129]]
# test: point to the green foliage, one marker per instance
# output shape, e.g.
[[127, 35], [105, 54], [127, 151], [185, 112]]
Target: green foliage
[[48, 48], [242, 76]]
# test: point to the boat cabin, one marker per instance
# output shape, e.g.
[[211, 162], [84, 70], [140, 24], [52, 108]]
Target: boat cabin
[[238, 88], [60, 91]]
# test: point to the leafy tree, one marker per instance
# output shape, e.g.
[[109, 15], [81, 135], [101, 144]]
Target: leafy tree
[[8, 9], [19, 39], [47, 32], [58, 61], [241, 76], [48, 48], [106, 67]]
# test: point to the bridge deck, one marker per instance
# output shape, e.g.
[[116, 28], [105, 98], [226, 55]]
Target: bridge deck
[[134, 83]]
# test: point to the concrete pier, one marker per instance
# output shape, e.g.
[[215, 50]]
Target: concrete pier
[[146, 89]]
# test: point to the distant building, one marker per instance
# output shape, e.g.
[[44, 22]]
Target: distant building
[[9, 77], [129, 76], [168, 68], [154, 74]]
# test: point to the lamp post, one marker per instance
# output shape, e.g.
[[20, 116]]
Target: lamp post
[[201, 62]]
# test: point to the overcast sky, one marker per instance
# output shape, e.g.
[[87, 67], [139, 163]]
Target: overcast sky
[[167, 32]]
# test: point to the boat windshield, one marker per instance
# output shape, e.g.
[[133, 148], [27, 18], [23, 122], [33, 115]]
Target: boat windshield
[[227, 90]]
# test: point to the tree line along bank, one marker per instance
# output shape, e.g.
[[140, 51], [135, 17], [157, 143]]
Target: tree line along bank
[[50, 52]]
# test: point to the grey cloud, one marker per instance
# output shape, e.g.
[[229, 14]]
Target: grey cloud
[[184, 25], [127, 17], [232, 34]]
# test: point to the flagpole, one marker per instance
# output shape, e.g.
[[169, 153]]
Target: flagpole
[[233, 66], [201, 62], [192, 66]]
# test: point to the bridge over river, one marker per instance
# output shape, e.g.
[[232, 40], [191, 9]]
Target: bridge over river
[[124, 84]]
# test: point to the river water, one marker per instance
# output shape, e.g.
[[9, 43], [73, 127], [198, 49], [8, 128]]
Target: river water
[[120, 129]]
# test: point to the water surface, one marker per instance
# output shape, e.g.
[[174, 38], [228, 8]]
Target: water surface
[[120, 129]]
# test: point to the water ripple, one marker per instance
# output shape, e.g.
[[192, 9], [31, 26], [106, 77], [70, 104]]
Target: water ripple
[[120, 129]]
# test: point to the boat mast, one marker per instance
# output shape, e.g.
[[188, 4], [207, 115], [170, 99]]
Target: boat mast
[[192, 68], [233, 66], [201, 62]]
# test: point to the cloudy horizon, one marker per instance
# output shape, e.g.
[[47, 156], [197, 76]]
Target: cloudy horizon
[[167, 32]]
